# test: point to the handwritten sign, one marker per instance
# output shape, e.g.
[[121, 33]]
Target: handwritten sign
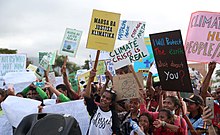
[[129, 30], [171, 61], [70, 42], [129, 53], [103, 30], [143, 65], [12, 63], [126, 86], [203, 37]]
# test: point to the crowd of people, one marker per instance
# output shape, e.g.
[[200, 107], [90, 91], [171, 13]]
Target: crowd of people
[[156, 112]]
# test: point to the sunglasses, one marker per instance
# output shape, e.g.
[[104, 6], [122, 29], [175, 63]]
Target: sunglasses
[[110, 90]]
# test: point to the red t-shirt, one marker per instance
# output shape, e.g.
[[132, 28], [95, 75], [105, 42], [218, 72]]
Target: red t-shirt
[[216, 120], [180, 122]]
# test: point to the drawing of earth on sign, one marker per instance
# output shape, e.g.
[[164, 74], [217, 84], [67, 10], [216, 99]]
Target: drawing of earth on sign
[[128, 88]]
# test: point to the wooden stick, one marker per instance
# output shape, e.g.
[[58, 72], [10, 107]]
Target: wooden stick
[[96, 61], [135, 76]]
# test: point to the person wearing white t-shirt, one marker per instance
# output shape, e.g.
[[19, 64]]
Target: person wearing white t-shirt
[[104, 120]]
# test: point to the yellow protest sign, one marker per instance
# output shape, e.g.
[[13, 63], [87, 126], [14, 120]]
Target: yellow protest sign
[[103, 30], [85, 78]]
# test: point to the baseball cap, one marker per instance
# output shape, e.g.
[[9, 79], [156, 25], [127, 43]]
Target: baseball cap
[[195, 99]]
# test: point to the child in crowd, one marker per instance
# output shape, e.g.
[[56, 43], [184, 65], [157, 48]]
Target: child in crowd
[[164, 125]]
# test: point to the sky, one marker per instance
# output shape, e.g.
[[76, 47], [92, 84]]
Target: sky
[[31, 26]]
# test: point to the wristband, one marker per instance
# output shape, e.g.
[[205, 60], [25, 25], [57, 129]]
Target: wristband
[[163, 123]]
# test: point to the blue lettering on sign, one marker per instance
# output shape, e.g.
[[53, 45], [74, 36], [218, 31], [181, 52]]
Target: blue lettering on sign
[[121, 30], [173, 41], [159, 42], [127, 32]]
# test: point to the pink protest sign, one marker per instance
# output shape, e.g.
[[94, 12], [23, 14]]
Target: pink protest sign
[[203, 37]]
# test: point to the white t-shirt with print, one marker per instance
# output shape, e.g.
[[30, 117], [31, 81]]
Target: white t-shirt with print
[[101, 123]]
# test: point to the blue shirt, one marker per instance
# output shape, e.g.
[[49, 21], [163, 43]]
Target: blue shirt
[[197, 123]]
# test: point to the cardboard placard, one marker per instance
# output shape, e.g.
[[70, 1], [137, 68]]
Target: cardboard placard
[[202, 40], [103, 30], [126, 86], [171, 61]]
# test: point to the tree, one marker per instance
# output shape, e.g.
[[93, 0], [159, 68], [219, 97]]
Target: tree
[[70, 66], [86, 65], [7, 51]]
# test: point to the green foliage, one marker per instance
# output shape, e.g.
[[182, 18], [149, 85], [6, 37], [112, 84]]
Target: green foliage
[[7, 51]]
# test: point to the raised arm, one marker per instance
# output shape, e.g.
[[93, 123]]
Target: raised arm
[[60, 95], [88, 86], [205, 84], [109, 77], [70, 92]]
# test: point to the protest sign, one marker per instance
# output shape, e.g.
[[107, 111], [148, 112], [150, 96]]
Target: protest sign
[[171, 61], [85, 77], [73, 81], [52, 78], [126, 86], [19, 77], [76, 109], [79, 72], [5, 126], [32, 68], [41, 55], [103, 55], [12, 63], [129, 30], [103, 30], [48, 56], [70, 42], [59, 80], [101, 67], [44, 63], [110, 66], [39, 72], [2, 81], [128, 53], [203, 37], [143, 65], [21, 106]]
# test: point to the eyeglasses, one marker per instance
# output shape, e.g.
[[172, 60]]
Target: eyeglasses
[[110, 90]]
